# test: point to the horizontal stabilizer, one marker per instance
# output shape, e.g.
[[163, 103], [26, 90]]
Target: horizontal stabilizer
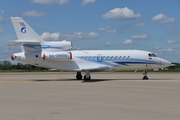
[[19, 42]]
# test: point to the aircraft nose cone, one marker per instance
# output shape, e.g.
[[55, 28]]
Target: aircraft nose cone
[[165, 63]]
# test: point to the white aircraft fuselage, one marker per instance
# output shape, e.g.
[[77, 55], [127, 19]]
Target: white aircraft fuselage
[[58, 55], [93, 59]]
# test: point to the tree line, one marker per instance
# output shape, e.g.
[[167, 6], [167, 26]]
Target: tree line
[[7, 65]]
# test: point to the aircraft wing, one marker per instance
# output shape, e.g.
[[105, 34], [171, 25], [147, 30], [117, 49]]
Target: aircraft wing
[[95, 68], [91, 67]]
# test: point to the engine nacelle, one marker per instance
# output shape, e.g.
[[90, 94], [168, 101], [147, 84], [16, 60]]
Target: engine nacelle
[[60, 45], [14, 57], [18, 57], [57, 56]]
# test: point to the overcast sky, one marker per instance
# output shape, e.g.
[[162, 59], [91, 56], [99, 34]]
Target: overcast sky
[[152, 25]]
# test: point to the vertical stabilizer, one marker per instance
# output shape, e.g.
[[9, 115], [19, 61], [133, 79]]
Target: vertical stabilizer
[[24, 31], [30, 41]]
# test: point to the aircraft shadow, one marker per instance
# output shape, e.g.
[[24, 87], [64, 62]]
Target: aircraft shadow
[[95, 80], [83, 81]]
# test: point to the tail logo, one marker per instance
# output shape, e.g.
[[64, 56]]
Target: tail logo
[[23, 29]]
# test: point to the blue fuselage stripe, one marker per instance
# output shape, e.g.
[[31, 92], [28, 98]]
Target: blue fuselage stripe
[[119, 61]]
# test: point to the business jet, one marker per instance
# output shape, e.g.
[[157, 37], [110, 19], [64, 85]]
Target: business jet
[[59, 55]]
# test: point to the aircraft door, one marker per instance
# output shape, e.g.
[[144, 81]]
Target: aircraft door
[[99, 58]]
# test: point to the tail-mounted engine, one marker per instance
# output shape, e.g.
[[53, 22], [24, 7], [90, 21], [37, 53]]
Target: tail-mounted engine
[[57, 56]]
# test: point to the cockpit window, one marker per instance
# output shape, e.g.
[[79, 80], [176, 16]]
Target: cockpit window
[[152, 55]]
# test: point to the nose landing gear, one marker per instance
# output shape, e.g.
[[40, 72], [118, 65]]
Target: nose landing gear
[[145, 75]]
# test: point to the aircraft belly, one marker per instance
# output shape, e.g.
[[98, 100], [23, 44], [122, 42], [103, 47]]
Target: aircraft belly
[[138, 67]]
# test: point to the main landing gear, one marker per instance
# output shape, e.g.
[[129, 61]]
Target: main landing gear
[[145, 75], [78, 76], [86, 77]]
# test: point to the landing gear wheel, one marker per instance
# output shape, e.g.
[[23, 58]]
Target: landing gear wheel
[[87, 78], [78, 76], [145, 77]]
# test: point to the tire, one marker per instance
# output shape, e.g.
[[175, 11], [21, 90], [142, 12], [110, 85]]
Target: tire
[[79, 77], [145, 77], [87, 78]]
